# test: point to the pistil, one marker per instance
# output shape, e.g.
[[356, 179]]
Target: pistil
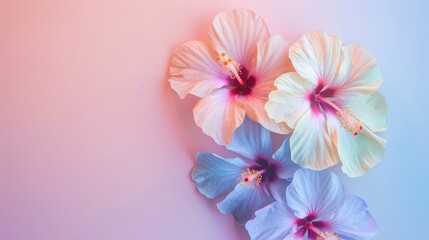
[[231, 66], [322, 235], [348, 120], [251, 178]]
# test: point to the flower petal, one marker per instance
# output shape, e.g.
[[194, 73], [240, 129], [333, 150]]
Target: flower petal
[[311, 144], [353, 221], [372, 111], [359, 72], [273, 222], [317, 57], [216, 175], [272, 59], [194, 70], [315, 192], [289, 102], [252, 141], [255, 109], [242, 202], [359, 153], [236, 32], [219, 114], [286, 168], [277, 188]]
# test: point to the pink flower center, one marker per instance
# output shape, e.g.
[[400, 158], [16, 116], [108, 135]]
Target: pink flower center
[[323, 99], [314, 228], [239, 80]]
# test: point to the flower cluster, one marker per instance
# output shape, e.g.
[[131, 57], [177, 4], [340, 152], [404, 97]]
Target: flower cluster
[[318, 92]]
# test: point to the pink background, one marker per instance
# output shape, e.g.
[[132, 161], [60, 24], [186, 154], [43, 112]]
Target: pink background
[[95, 145]]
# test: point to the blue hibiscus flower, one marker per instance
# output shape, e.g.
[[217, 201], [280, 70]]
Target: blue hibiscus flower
[[316, 208], [251, 182]]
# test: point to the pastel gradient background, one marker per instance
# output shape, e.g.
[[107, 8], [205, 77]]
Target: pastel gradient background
[[95, 145]]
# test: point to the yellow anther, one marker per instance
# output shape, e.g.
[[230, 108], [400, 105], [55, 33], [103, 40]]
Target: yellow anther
[[328, 236], [230, 66], [349, 121]]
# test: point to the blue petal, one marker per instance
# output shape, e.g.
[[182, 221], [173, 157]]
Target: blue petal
[[277, 189], [274, 222], [252, 141], [319, 193], [243, 202], [215, 175], [353, 221], [286, 168]]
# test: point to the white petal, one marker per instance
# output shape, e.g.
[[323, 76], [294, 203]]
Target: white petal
[[218, 115], [359, 153], [359, 73], [317, 56], [311, 144], [272, 59], [194, 70], [289, 102], [236, 32]]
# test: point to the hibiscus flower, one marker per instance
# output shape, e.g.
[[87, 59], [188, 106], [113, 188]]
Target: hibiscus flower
[[332, 104], [251, 183], [232, 74], [315, 208]]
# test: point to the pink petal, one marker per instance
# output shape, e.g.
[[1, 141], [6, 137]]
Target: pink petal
[[317, 57], [272, 59], [255, 109], [236, 32], [218, 115], [194, 70]]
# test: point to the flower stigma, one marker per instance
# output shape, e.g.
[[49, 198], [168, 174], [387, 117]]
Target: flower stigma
[[251, 178], [231, 67]]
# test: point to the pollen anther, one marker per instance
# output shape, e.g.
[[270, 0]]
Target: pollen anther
[[230, 66], [328, 236], [349, 121], [250, 178]]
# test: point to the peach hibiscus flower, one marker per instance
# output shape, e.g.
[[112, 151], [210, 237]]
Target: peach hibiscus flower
[[233, 74]]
